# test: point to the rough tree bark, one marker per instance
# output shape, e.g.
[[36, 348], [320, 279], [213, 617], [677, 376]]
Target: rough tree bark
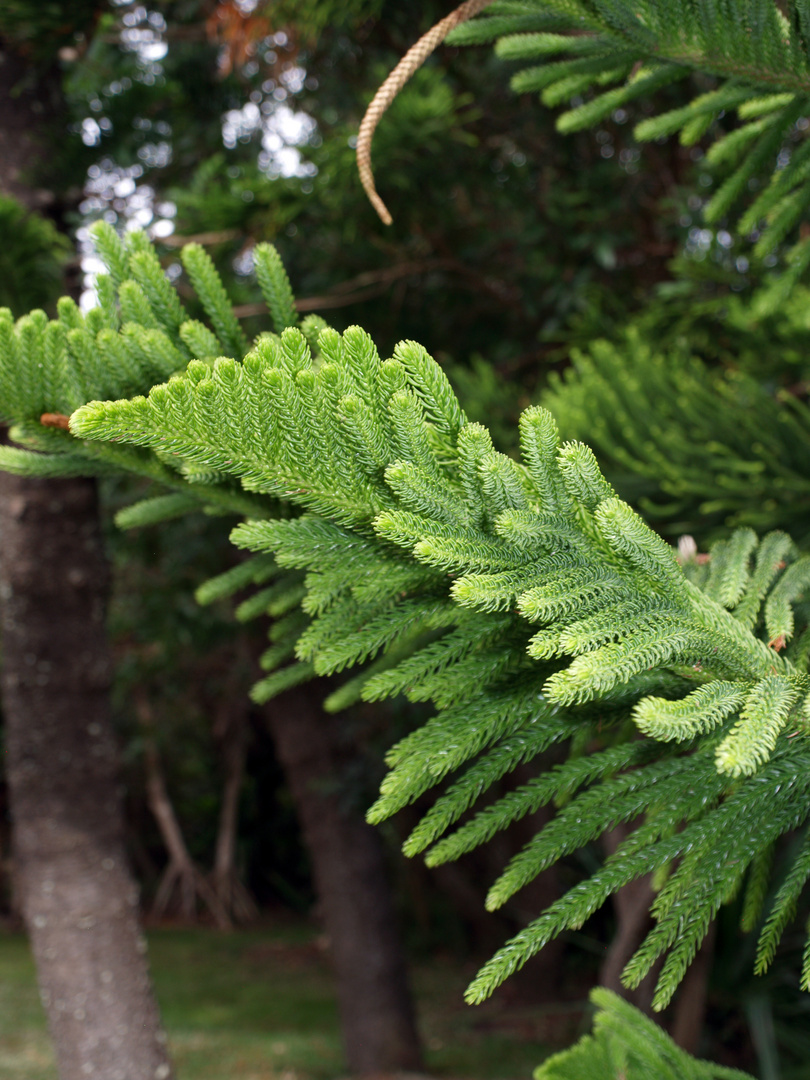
[[78, 897], [377, 1020]]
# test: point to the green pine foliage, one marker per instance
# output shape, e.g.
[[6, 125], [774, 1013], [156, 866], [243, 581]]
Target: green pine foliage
[[613, 54], [625, 1043], [697, 448], [137, 336], [32, 257], [531, 606]]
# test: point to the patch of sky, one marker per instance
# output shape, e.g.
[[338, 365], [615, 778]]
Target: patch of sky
[[142, 33], [120, 195], [282, 129]]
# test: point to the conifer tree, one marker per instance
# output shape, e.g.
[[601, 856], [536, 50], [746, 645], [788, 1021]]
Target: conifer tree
[[453, 551], [647, 410], [524, 599], [52, 365], [443, 534], [76, 891]]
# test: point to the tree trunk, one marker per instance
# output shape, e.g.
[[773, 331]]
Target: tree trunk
[[181, 874], [689, 1016], [231, 733], [78, 897], [633, 920], [631, 905], [27, 103], [376, 1012]]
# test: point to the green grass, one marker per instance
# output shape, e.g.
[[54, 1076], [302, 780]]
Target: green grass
[[259, 1005]]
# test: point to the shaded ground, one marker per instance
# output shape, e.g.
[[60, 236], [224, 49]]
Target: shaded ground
[[258, 1005]]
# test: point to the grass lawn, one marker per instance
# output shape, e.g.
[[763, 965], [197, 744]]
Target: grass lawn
[[259, 1005]]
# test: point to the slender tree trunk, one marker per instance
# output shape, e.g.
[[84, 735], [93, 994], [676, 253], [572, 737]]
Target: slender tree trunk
[[181, 874], [689, 1016], [231, 732], [633, 920], [78, 898], [631, 905], [376, 1012]]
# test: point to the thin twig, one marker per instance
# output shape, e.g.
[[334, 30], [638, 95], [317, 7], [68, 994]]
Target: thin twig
[[364, 286], [219, 237], [410, 63]]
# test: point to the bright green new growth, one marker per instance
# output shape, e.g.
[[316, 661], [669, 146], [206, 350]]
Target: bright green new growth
[[137, 336], [275, 286], [530, 605]]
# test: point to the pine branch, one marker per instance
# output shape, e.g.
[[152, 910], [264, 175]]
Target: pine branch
[[620, 53], [525, 600], [627, 1043]]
